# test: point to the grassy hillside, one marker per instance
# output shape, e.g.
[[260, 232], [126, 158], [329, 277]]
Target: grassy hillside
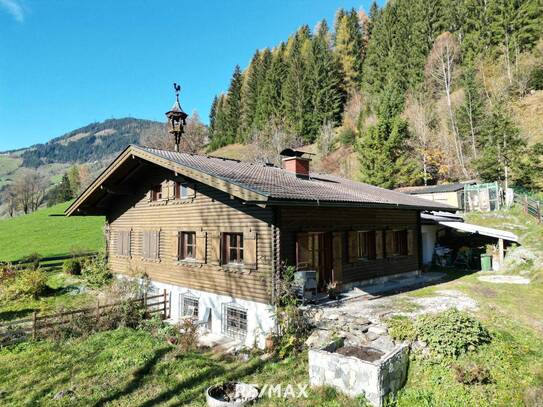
[[49, 233]]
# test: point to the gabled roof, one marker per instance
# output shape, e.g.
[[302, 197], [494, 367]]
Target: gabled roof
[[433, 189], [262, 184]]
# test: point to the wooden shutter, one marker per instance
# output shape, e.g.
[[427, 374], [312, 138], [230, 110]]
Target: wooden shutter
[[201, 245], [353, 246], [379, 244], [250, 249], [389, 243], [215, 254], [145, 245], [156, 245], [128, 241], [174, 249], [337, 248], [410, 242]]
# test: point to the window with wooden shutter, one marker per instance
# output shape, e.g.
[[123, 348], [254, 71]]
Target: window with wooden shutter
[[379, 252], [396, 243], [187, 246], [250, 249], [215, 253], [411, 240], [123, 243], [150, 244], [232, 248], [183, 190], [156, 193], [352, 241], [366, 245]]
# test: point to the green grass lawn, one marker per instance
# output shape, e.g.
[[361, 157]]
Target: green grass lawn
[[49, 233]]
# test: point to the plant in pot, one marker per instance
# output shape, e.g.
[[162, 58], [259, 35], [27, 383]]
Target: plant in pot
[[332, 288]]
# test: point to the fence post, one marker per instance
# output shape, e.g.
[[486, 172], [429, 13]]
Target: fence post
[[525, 203], [165, 304], [34, 328], [145, 301], [538, 208], [97, 310]]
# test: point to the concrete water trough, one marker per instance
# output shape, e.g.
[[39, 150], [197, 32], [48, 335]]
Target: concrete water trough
[[356, 371]]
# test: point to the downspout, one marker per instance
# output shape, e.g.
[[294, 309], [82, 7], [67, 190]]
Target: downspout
[[419, 240]]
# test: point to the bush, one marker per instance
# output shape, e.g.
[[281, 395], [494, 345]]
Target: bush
[[472, 373], [26, 283], [401, 328], [72, 266], [347, 136], [535, 81], [96, 272], [33, 260], [451, 333]]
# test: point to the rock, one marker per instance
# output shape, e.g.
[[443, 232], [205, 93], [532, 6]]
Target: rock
[[355, 340], [383, 343], [266, 356], [371, 336], [63, 393], [378, 329], [319, 338], [333, 317]]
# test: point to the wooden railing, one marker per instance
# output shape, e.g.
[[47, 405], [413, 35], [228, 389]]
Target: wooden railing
[[15, 331], [531, 207]]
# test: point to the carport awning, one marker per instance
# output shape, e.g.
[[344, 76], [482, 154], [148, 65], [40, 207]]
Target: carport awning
[[471, 228]]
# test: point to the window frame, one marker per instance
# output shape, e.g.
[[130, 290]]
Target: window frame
[[367, 244], [182, 246], [227, 249], [400, 242], [187, 298], [178, 188], [235, 321], [156, 193]]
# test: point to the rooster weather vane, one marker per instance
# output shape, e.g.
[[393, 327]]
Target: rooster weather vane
[[176, 118]]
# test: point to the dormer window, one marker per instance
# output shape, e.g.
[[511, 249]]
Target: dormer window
[[156, 193]]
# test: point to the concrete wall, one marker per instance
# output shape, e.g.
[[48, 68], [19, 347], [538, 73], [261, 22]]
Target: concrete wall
[[260, 319]]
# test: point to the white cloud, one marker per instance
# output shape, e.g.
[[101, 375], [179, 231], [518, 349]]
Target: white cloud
[[15, 8]]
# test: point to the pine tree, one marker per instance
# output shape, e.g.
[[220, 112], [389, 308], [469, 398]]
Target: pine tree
[[233, 108], [270, 98], [501, 147], [383, 154], [219, 133], [324, 77], [213, 114], [296, 96]]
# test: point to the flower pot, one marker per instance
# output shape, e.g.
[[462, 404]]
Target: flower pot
[[231, 394]]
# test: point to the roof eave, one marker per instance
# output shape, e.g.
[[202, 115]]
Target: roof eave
[[347, 204]]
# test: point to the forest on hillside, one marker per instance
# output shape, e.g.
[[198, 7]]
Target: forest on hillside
[[421, 91]]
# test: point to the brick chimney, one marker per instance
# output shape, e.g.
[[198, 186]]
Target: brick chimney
[[297, 165]]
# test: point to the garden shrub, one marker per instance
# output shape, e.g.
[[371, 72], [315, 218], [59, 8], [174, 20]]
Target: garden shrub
[[451, 333], [32, 260], [535, 80], [401, 328], [72, 266], [347, 136], [159, 329], [26, 283], [96, 272]]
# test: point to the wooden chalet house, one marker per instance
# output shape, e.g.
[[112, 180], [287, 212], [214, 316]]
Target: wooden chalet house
[[214, 231]]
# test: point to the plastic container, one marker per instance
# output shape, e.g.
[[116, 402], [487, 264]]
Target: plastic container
[[486, 262]]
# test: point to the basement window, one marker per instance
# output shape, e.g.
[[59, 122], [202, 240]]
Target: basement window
[[190, 306], [156, 193], [234, 321]]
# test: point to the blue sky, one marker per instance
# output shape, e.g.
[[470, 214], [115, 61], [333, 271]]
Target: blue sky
[[66, 63]]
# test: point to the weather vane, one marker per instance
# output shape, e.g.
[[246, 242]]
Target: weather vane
[[176, 118]]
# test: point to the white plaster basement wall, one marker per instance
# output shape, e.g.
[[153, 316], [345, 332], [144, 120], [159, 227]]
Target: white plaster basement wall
[[260, 319]]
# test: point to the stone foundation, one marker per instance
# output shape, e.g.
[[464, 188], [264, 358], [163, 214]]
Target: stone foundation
[[353, 376]]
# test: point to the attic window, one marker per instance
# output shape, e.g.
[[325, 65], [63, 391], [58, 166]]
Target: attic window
[[181, 190], [156, 192]]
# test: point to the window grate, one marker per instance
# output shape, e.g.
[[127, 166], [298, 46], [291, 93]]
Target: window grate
[[190, 305], [234, 321]]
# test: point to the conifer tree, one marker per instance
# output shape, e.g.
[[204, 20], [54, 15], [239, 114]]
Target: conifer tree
[[296, 96], [349, 48], [270, 100], [212, 114], [324, 77], [249, 94], [233, 107]]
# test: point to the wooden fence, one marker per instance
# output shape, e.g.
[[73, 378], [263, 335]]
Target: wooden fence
[[20, 330], [531, 206]]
